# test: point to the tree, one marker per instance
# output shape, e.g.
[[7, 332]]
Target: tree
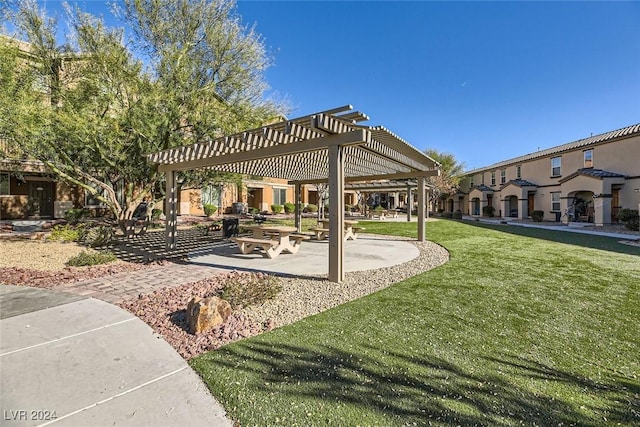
[[450, 174], [191, 72]]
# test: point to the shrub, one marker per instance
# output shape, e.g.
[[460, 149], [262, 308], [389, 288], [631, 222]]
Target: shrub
[[457, 214], [630, 218], [378, 209], [488, 211], [311, 208], [98, 236], [289, 208], [209, 209], [243, 290], [155, 214], [73, 216], [276, 209], [348, 207], [66, 233], [537, 216], [87, 258], [254, 211], [447, 215]]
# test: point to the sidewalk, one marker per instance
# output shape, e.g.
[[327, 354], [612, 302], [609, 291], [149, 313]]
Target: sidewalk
[[81, 361]]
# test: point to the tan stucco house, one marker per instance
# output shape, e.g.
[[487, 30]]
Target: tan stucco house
[[587, 180]]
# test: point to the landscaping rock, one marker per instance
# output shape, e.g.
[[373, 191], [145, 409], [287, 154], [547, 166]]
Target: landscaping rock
[[204, 314]]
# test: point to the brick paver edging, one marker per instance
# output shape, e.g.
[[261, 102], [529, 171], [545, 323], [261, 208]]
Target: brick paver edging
[[122, 286]]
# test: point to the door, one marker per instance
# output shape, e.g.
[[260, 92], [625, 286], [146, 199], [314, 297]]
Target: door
[[530, 206], [615, 204], [41, 198]]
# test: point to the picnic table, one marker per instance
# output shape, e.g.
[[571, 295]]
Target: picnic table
[[350, 231], [273, 239]]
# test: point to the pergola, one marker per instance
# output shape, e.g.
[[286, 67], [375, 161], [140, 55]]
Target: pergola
[[329, 146], [389, 186]]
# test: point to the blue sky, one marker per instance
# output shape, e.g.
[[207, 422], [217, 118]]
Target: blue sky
[[485, 81]]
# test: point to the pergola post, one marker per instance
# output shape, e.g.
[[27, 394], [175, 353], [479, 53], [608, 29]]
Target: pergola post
[[298, 211], [171, 210], [336, 213], [409, 202], [421, 209]]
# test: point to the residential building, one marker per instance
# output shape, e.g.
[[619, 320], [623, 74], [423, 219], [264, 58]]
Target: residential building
[[589, 180]]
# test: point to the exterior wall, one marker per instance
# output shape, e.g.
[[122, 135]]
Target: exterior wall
[[618, 156]]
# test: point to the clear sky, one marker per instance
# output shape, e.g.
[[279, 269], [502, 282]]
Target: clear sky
[[486, 81]]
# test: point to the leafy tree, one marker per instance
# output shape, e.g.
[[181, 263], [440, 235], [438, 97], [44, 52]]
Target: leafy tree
[[450, 174], [191, 72]]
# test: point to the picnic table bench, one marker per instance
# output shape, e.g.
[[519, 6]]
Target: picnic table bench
[[272, 239]]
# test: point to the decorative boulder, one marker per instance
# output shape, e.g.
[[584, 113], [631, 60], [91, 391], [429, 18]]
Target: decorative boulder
[[206, 313]]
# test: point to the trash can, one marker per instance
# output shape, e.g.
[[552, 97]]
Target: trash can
[[230, 227], [239, 208]]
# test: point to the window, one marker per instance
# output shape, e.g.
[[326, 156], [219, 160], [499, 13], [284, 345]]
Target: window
[[210, 195], [91, 200], [482, 179], [471, 182], [555, 202], [556, 162], [279, 196], [588, 158], [493, 178], [4, 184], [518, 172], [503, 176]]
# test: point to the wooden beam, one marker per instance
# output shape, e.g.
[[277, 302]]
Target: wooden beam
[[171, 211], [401, 175]]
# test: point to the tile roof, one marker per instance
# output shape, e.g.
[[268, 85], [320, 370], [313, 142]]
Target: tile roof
[[520, 183], [594, 173], [592, 140], [482, 188]]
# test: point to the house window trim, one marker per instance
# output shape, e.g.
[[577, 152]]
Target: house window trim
[[493, 178], [503, 176], [554, 201], [584, 157], [518, 172], [281, 191], [559, 167]]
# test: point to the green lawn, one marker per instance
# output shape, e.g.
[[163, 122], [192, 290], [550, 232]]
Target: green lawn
[[513, 330]]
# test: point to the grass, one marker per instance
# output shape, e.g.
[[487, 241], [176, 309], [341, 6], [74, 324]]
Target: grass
[[513, 330]]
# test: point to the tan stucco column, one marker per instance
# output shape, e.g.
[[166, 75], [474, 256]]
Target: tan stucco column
[[602, 209], [523, 205], [409, 203]]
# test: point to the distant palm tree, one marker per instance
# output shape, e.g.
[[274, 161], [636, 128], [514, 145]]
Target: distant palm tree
[[450, 173]]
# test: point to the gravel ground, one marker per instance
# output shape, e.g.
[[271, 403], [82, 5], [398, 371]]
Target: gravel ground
[[301, 297], [37, 254]]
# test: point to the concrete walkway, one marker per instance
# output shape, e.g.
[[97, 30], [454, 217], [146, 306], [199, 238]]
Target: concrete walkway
[[73, 361]]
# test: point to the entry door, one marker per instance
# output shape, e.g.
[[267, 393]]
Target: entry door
[[530, 207], [41, 198]]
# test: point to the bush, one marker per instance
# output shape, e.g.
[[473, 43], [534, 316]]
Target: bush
[[98, 236], [348, 207], [630, 218], [86, 258], [209, 209], [73, 216], [155, 214], [254, 211], [66, 233], [537, 216], [289, 208], [243, 290], [457, 214], [311, 208], [488, 211], [447, 215], [276, 209]]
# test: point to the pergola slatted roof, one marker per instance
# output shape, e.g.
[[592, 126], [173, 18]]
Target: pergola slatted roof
[[328, 146], [296, 150]]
